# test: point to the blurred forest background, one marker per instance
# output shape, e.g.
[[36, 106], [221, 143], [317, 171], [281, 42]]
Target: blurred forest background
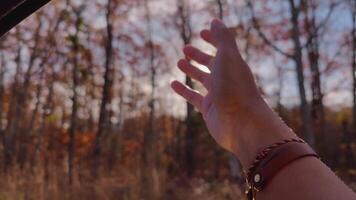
[[86, 111]]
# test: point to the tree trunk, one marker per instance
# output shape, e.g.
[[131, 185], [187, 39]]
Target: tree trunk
[[279, 91], [353, 65], [9, 135], [149, 174], [36, 137], [317, 107], [47, 138], [104, 118], [23, 96], [2, 89], [220, 8], [304, 106], [190, 134], [73, 120]]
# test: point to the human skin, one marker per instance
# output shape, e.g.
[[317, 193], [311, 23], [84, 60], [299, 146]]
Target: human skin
[[241, 121]]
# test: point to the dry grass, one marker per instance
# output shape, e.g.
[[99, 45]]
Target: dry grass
[[118, 184]]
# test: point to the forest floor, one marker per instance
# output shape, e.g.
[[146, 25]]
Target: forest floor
[[21, 186]]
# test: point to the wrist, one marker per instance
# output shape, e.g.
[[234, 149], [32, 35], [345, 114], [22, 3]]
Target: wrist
[[260, 128]]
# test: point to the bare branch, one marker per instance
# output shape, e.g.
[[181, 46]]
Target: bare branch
[[321, 26], [263, 36]]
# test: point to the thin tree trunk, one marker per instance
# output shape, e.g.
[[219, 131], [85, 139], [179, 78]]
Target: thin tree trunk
[[9, 135], [150, 182], [23, 97], [73, 121], [304, 106], [353, 65], [104, 118], [279, 92], [218, 153], [47, 141], [317, 106], [44, 140], [190, 135], [36, 137], [220, 8], [2, 89]]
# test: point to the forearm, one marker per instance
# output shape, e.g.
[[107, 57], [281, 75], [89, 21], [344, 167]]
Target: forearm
[[261, 127], [306, 178]]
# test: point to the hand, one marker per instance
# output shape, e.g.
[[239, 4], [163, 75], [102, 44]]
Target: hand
[[234, 111]]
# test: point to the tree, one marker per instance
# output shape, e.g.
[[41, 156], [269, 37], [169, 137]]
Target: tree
[[183, 12], [314, 33], [23, 97], [353, 61], [148, 158], [220, 8], [14, 110], [75, 47], [2, 91], [105, 107], [296, 57]]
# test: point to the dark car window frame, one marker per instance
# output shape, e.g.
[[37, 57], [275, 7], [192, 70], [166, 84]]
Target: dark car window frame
[[13, 13]]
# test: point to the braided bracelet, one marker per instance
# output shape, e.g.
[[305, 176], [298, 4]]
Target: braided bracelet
[[266, 150], [271, 159]]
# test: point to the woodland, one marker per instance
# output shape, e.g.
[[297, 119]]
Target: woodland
[[87, 112]]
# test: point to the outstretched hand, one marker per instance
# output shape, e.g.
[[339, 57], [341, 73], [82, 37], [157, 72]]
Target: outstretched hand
[[233, 107]]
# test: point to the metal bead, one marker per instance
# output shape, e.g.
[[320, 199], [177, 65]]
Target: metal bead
[[257, 178]]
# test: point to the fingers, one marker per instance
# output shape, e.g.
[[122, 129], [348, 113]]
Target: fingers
[[197, 55], [192, 96], [193, 72], [206, 35]]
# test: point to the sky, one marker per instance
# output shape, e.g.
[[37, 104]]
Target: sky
[[264, 67]]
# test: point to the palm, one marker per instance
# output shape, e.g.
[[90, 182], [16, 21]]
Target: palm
[[221, 84], [213, 121], [208, 105]]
